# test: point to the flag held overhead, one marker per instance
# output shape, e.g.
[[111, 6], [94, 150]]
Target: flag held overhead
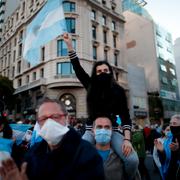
[[47, 25]]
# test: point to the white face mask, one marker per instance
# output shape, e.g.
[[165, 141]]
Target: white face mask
[[53, 132]]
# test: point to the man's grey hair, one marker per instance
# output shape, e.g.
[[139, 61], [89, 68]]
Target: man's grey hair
[[48, 100], [176, 116]]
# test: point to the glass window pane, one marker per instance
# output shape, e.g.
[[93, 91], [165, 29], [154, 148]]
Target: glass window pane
[[61, 48], [70, 23], [66, 69], [69, 6], [58, 68]]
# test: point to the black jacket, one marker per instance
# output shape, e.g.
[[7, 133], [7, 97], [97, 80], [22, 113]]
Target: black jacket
[[74, 159], [115, 103]]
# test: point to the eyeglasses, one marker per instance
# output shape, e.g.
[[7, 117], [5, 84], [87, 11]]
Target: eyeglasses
[[55, 117]]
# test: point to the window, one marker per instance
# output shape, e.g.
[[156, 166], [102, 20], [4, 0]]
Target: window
[[19, 82], [115, 59], [140, 102], [172, 71], [28, 65], [65, 68], [17, 16], [34, 76], [69, 6], [13, 71], [105, 37], [103, 20], [161, 56], [94, 52], [158, 32], [62, 48], [14, 55], [20, 50], [70, 103], [159, 44], [32, 2], [114, 41], [94, 32], [113, 26], [164, 80], [105, 55], [171, 60], [21, 35], [93, 14], [19, 67], [27, 79], [42, 73], [23, 7], [71, 24], [168, 38], [104, 2], [15, 41], [174, 82], [163, 68], [43, 53], [169, 50]]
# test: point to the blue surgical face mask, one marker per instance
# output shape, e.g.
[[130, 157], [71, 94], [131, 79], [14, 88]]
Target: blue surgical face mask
[[103, 136]]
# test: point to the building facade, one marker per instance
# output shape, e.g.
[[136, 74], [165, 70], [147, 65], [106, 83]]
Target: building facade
[[97, 29], [2, 16], [150, 46], [177, 59], [139, 109]]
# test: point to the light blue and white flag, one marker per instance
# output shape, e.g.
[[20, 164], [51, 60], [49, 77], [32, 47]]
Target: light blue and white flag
[[19, 130], [47, 25]]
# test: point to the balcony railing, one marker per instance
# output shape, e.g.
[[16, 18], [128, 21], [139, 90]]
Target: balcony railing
[[31, 85]]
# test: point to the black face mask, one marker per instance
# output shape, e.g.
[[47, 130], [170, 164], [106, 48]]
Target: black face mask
[[103, 79], [175, 130]]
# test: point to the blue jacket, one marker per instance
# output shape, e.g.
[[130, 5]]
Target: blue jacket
[[74, 159]]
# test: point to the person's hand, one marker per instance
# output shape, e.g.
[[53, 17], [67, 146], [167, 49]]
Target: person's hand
[[10, 171], [126, 147], [174, 146], [158, 145], [68, 40]]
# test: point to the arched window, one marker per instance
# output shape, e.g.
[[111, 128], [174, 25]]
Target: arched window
[[70, 103]]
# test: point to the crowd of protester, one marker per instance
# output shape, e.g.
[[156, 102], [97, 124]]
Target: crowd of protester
[[54, 147]]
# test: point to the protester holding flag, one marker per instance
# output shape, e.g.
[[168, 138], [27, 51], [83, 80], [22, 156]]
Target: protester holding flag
[[106, 97]]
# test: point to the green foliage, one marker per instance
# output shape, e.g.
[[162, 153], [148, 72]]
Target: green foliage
[[6, 92]]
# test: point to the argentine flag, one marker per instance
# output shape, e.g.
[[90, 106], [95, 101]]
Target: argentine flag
[[19, 131], [47, 25]]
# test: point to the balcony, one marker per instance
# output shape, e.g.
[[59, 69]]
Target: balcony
[[31, 85]]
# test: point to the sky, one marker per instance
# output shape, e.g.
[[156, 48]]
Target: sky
[[166, 13]]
